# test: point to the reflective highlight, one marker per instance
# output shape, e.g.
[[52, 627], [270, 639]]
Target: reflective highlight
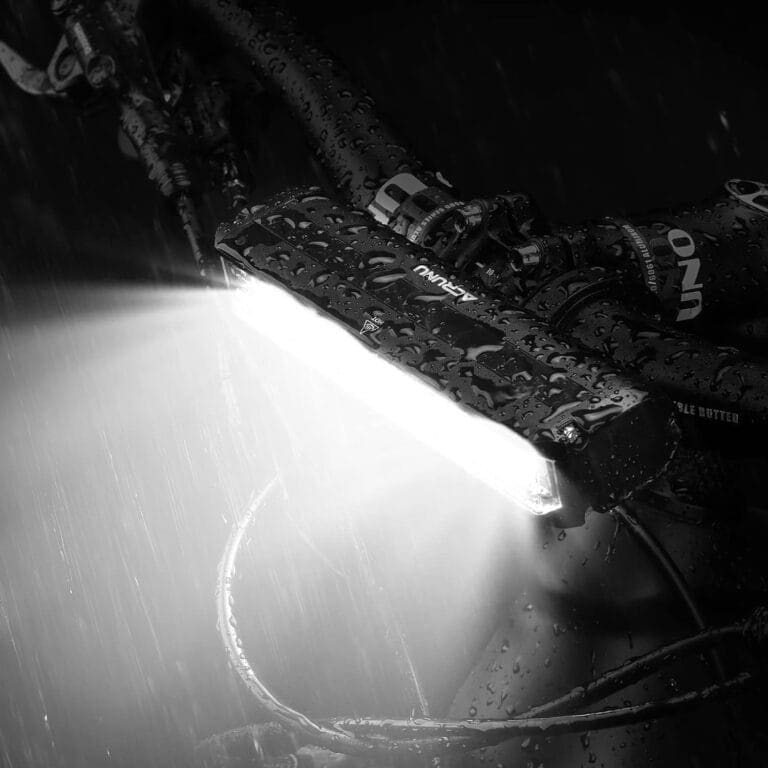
[[484, 449]]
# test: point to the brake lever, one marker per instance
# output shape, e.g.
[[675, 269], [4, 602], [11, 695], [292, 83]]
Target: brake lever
[[65, 71], [111, 57]]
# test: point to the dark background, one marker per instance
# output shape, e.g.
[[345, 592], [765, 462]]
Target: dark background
[[594, 110], [598, 109]]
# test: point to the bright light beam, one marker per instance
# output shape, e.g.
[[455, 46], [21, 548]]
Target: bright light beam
[[483, 448]]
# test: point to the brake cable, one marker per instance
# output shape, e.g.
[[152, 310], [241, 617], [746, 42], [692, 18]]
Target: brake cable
[[427, 737]]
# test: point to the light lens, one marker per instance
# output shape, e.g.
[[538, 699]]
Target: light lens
[[481, 447]]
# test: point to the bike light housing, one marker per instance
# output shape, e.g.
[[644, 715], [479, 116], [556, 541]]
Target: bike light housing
[[484, 449], [558, 405]]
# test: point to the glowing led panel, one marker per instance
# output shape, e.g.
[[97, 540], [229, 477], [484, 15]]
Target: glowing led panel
[[483, 448]]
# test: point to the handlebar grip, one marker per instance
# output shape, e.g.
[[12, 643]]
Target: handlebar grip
[[704, 260]]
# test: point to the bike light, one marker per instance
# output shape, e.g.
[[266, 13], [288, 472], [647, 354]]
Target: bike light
[[484, 449], [557, 404]]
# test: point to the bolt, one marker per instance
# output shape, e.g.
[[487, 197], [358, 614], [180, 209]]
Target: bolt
[[571, 433]]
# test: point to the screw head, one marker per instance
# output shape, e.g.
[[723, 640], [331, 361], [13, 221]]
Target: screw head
[[571, 433]]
